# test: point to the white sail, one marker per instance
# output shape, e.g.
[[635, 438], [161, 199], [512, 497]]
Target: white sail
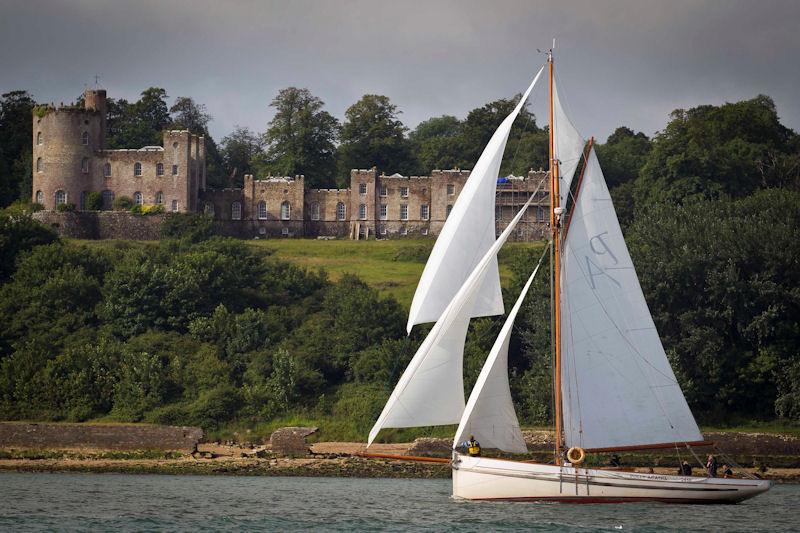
[[489, 415], [618, 388], [468, 232], [431, 390], [568, 145]]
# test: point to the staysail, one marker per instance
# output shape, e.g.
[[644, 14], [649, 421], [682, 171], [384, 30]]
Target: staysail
[[468, 232], [431, 390], [568, 145], [489, 415], [617, 386]]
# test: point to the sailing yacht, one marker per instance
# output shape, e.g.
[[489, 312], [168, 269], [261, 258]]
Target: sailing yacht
[[614, 389]]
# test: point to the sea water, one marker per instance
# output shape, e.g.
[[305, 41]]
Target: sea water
[[117, 502]]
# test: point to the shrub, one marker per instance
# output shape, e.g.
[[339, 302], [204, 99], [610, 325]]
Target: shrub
[[193, 227], [136, 209], [94, 201], [122, 203], [65, 208], [152, 209]]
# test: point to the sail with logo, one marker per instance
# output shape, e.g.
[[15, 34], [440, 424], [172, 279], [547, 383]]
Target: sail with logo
[[613, 387]]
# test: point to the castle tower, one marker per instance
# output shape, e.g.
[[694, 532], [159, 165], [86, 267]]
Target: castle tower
[[64, 141]]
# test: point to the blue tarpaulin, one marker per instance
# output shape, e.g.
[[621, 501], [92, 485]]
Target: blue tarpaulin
[[502, 180]]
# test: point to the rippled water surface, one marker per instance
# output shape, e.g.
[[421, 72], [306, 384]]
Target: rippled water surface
[[147, 502]]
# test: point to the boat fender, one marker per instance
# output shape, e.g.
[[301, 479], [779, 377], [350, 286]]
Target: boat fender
[[576, 455]]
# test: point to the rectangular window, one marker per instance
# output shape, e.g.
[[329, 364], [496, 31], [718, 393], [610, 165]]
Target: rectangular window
[[403, 231], [404, 192], [384, 190], [383, 230], [451, 189], [384, 211], [174, 170], [424, 231], [449, 208], [424, 212], [498, 212], [174, 206], [284, 231], [403, 212], [362, 211], [362, 188]]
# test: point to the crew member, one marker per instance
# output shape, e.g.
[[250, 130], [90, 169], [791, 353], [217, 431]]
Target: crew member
[[685, 469], [473, 447], [711, 466]]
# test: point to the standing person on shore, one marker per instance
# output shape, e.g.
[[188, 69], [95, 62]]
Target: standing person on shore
[[711, 466]]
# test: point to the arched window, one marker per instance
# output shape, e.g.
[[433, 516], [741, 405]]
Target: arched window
[[315, 211], [39, 165], [107, 170], [40, 197], [61, 197], [85, 165], [174, 206], [108, 200], [341, 211], [262, 210], [159, 198], [236, 211], [362, 211], [137, 198], [286, 211], [137, 169], [159, 169], [85, 138], [209, 209], [39, 138]]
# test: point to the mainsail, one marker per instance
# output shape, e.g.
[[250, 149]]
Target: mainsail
[[466, 236], [490, 416], [617, 386], [431, 390], [567, 144]]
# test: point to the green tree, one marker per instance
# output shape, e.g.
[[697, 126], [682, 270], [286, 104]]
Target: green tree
[[241, 152], [720, 278], [709, 151], [133, 125], [301, 138], [372, 135], [19, 233], [15, 146], [436, 143], [623, 155]]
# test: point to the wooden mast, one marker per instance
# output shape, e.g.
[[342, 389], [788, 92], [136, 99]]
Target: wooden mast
[[554, 227]]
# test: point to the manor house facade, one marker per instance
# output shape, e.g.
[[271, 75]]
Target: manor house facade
[[71, 161]]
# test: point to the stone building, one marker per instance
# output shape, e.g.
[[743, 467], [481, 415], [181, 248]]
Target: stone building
[[375, 205], [70, 160]]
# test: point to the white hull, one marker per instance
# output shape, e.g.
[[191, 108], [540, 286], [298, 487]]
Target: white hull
[[478, 478]]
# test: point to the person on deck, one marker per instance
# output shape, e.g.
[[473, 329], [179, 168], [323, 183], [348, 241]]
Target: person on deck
[[473, 447], [726, 471], [711, 466], [615, 460], [685, 469]]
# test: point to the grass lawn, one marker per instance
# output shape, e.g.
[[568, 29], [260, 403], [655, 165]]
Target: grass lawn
[[391, 266]]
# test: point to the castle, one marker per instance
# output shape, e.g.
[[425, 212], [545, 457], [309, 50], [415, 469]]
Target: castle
[[71, 161]]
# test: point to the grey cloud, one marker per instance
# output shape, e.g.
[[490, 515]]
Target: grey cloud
[[619, 62]]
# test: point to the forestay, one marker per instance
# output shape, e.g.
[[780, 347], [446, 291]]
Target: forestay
[[617, 386], [489, 415], [431, 390], [568, 145], [468, 232]]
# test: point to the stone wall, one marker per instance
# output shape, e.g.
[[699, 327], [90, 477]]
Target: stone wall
[[102, 224], [100, 436]]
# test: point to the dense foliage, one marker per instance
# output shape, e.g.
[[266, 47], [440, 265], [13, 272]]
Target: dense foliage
[[201, 330]]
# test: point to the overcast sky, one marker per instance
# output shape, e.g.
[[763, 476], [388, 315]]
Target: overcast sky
[[618, 62]]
